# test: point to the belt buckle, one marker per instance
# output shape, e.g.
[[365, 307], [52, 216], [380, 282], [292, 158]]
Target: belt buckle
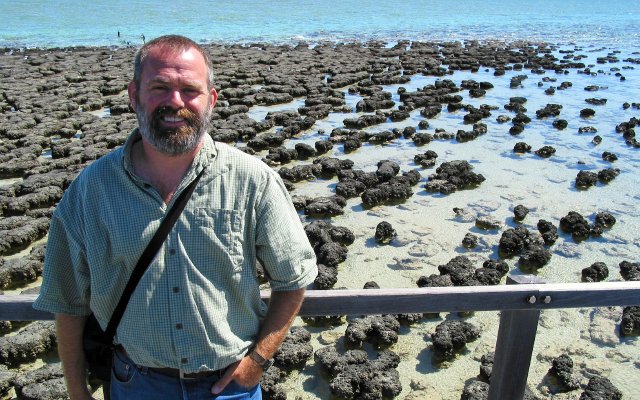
[[182, 376]]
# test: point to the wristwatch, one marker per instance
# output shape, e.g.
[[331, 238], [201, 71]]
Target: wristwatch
[[261, 361]]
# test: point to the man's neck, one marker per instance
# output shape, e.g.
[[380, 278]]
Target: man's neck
[[164, 172]]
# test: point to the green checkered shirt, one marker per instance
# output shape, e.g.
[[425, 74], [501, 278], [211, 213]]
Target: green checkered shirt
[[198, 305]]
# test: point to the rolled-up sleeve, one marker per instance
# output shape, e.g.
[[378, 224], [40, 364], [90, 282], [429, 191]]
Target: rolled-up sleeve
[[281, 243], [65, 278]]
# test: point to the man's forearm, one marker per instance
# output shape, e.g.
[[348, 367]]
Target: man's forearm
[[69, 329], [283, 308]]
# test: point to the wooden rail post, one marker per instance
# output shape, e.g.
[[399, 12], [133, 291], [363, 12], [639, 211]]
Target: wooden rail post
[[514, 345]]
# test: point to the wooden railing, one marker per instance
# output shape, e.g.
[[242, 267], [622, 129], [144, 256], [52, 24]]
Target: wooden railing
[[520, 301]]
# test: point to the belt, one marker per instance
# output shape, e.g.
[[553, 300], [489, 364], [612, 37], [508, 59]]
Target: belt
[[176, 373]]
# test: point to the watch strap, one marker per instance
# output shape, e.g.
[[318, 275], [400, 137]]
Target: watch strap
[[261, 361]]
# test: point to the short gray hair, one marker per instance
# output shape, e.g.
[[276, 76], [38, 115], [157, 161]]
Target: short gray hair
[[171, 42]]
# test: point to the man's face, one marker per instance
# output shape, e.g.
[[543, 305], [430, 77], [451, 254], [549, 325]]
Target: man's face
[[173, 102]]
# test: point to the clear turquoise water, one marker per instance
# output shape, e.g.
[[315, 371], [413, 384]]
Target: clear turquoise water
[[43, 23]]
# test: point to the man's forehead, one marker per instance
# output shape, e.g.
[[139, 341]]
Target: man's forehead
[[162, 57], [161, 52]]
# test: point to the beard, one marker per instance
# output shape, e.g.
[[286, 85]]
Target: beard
[[173, 141]]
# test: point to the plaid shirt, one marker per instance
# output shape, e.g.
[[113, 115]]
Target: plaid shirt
[[198, 305]]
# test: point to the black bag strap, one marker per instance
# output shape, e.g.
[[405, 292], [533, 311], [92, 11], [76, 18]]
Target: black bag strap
[[149, 253]]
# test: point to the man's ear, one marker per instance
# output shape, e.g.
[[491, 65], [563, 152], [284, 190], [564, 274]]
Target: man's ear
[[214, 97], [132, 94]]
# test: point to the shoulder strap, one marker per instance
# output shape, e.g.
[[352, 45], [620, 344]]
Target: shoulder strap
[[149, 253]]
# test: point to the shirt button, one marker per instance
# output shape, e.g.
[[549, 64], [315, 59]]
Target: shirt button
[[176, 289], [184, 360], [172, 251], [147, 186], [178, 326]]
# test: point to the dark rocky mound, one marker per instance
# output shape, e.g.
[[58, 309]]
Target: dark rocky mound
[[294, 353], [550, 110], [323, 207], [21, 271], [461, 271], [530, 245], [520, 212], [521, 147], [453, 175], [605, 219], [580, 228], [475, 390], [546, 151], [44, 383], [607, 175], [18, 232], [630, 323], [451, 337], [534, 257], [499, 265], [630, 271], [597, 272], [330, 245], [385, 233], [586, 179], [562, 372], [610, 157], [470, 241], [548, 231], [560, 124], [295, 350], [379, 330], [354, 376], [426, 160], [391, 188], [486, 366], [351, 183], [600, 388], [487, 223], [35, 340], [6, 381]]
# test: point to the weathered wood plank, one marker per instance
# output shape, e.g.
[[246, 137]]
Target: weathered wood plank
[[512, 358], [514, 347], [396, 301]]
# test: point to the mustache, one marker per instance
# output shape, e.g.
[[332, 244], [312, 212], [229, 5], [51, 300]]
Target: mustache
[[180, 112]]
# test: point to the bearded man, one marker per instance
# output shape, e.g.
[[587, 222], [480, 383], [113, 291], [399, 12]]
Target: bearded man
[[195, 327]]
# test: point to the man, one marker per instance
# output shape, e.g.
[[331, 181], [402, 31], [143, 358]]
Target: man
[[195, 321]]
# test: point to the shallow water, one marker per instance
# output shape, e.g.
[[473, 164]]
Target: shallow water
[[429, 234], [122, 22]]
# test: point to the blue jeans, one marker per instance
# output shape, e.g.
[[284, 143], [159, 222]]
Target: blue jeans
[[133, 382]]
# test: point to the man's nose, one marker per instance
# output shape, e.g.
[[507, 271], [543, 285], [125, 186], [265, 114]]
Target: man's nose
[[175, 99]]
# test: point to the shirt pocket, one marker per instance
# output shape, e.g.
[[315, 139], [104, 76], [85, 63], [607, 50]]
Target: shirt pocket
[[223, 234]]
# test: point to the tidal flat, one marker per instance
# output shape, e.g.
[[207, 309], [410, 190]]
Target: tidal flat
[[464, 101]]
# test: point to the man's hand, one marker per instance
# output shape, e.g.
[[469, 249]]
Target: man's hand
[[246, 373], [283, 308]]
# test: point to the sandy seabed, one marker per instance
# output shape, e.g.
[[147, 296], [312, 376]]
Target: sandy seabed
[[62, 108]]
